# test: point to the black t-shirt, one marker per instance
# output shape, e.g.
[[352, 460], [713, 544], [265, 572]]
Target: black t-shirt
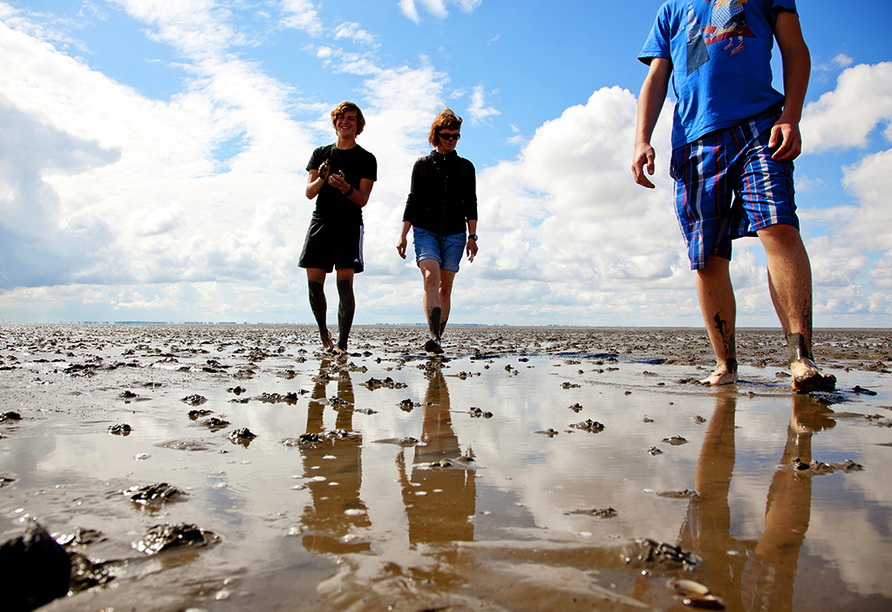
[[332, 206]]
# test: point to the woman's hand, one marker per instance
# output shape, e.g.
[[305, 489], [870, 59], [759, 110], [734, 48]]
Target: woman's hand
[[471, 249], [401, 246]]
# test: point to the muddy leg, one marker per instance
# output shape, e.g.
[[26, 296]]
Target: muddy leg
[[430, 272], [346, 309], [716, 295], [433, 324], [319, 306], [789, 281]]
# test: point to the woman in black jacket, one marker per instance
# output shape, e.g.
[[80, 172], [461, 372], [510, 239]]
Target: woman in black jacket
[[442, 204]]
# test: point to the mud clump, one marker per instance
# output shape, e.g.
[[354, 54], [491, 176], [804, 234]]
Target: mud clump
[[607, 512], [155, 495], [194, 400], [243, 436], [388, 383], [36, 570], [165, 537], [589, 426], [649, 553], [275, 398]]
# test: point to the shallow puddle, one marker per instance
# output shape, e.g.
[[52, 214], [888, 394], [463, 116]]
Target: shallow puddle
[[533, 469]]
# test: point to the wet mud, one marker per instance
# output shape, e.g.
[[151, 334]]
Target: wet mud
[[166, 468]]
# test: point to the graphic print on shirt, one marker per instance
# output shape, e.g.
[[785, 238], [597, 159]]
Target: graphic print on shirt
[[728, 22], [696, 52]]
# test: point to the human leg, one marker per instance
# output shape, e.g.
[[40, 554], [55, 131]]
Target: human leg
[[315, 284], [719, 308], [447, 278], [346, 307], [430, 273], [790, 285]]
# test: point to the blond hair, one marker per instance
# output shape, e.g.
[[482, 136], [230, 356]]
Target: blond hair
[[345, 107]]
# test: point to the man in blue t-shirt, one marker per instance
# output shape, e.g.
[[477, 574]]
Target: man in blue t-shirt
[[734, 139]]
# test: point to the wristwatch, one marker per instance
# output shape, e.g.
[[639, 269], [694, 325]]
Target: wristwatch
[[474, 236]]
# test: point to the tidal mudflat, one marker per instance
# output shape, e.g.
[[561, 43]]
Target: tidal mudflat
[[238, 467]]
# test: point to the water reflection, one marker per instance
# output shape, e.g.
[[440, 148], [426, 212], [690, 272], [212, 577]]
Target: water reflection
[[333, 467], [440, 501], [753, 575]]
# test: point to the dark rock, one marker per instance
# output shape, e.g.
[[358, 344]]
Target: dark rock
[[34, 570]]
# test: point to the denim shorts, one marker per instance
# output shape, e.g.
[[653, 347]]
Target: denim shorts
[[727, 186], [447, 250]]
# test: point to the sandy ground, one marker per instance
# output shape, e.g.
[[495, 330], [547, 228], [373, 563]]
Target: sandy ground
[[531, 469]]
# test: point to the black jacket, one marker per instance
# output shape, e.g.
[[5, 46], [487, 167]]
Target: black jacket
[[443, 195]]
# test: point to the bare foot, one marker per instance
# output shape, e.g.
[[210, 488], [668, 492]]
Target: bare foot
[[807, 377], [433, 346], [327, 344], [337, 350], [722, 375]]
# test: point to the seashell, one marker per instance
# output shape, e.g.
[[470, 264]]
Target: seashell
[[690, 588]]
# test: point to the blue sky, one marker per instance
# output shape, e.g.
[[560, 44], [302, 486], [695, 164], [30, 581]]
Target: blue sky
[[152, 160]]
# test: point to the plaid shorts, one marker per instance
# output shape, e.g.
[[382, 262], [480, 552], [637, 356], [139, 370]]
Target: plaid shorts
[[727, 187]]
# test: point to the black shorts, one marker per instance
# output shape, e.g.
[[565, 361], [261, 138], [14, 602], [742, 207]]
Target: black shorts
[[330, 246]]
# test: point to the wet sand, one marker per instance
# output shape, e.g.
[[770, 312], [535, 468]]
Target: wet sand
[[531, 469]]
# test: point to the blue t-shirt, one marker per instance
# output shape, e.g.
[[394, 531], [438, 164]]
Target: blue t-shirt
[[721, 61]]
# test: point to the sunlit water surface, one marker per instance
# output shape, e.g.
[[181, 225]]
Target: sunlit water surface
[[484, 491]]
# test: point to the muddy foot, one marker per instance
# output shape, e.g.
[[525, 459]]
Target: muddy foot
[[327, 343], [432, 346], [807, 377], [721, 376]]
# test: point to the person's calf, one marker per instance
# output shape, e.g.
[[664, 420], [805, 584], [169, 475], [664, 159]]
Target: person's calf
[[346, 310], [319, 307]]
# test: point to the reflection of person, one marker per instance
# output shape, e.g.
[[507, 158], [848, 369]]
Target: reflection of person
[[442, 200], [333, 467], [341, 176], [734, 140], [759, 573], [439, 501]]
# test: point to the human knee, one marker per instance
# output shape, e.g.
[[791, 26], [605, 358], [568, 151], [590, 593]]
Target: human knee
[[431, 281], [316, 288]]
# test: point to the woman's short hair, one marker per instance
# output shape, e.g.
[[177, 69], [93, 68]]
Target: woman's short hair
[[345, 107], [446, 120]]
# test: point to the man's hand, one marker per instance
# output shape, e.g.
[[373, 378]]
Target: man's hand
[[787, 140], [643, 160], [324, 169]]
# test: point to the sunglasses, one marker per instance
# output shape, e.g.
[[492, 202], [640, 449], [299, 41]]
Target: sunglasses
[[449, 136]]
